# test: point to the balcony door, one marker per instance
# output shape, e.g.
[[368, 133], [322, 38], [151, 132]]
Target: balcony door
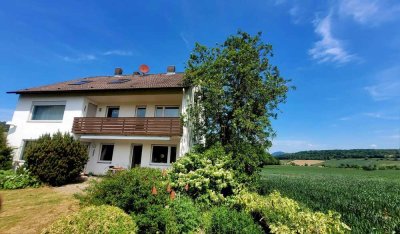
[[112, 111], [136, 158], [91, 111]]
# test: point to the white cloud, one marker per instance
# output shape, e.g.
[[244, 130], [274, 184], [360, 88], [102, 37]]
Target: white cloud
[[80, 58], [380, 115], [118, 52], [328, 49], [373, 146], [185, 40], [396, 136], [370, 12], [387, 85], [345, 118]]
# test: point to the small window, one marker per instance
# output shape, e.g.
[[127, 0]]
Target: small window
[[24, 147], [81, 82], [141, 111], [163, 154], [48, 112], [112, 112], [167, 111], [106, 152], [119, 81]]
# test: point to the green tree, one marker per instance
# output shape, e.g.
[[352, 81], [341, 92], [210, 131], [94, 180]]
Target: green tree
[[237, 93], [5, 152]]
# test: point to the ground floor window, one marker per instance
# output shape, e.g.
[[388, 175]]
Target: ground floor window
[[24, 147], [163, 154], [107, 151]]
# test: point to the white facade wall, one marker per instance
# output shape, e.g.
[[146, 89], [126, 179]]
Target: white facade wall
[[122, 156], [76, 106], [25, 129]]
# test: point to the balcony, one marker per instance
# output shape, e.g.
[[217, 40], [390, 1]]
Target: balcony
[[128, 126]]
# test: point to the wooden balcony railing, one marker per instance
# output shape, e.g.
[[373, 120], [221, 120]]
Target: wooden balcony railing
[[149, 126]]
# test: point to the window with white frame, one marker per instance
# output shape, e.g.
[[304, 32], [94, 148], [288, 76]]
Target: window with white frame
[[167, 111], [164, 154], [106, 154], [48, 111], [25, 145], [141, 111]]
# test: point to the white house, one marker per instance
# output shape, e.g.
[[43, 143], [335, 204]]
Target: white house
[[126, 120]]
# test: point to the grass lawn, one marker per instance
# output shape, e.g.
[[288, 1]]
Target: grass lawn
[[30, 210]]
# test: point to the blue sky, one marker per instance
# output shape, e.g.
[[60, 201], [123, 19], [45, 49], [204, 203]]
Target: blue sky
[[343, 56]]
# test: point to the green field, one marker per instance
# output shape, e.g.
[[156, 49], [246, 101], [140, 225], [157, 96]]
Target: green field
[[369, 201], [361, 162]]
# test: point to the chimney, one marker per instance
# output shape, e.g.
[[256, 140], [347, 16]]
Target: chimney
[[171, 69], [118, 71]]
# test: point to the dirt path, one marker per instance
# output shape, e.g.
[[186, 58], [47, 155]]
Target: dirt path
[[304, 162], [70, 189]]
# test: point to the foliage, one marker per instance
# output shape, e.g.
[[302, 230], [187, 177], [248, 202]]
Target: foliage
[[94, 219], [230, 221], [342, 154], [367, 200], [236, 93], [284, 215], [131, 191], [206, 174], [23, 179], [4, 127], [56, 159], [5, 152], [183, 216]]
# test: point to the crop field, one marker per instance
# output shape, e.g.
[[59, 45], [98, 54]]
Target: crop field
[[361, 162], [369, 201]]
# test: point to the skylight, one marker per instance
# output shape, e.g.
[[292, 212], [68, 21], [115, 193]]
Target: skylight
[[81, 82], [119, 81]]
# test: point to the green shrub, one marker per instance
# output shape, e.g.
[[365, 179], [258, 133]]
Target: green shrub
[[131, 191], [207, 175], [94, 219], [23, 179], [183, 216], [5, 152], [231, 221], [56, 159], [284, 215]]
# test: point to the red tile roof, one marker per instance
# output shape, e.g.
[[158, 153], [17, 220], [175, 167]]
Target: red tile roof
[[105, 83]]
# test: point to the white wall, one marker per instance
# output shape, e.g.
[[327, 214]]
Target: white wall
[[122, 155], [26, 129]]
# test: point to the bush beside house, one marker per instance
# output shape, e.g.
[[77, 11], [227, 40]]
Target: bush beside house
[[93, 220], [56, 160], [5, 152]]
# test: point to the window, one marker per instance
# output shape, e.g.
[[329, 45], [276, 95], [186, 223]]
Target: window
[[24, 147], [106, 153], [119, 81], [167, 111], [163, 154], [48, 111], [81, 82], [112, 112], [141, 111]]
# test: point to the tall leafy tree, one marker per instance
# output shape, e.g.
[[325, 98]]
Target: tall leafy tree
[[236, 95]]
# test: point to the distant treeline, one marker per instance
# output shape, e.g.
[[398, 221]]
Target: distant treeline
[[335, 154]]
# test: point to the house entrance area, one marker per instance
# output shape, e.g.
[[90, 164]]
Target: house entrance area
[[136, 155], [106, 153]]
